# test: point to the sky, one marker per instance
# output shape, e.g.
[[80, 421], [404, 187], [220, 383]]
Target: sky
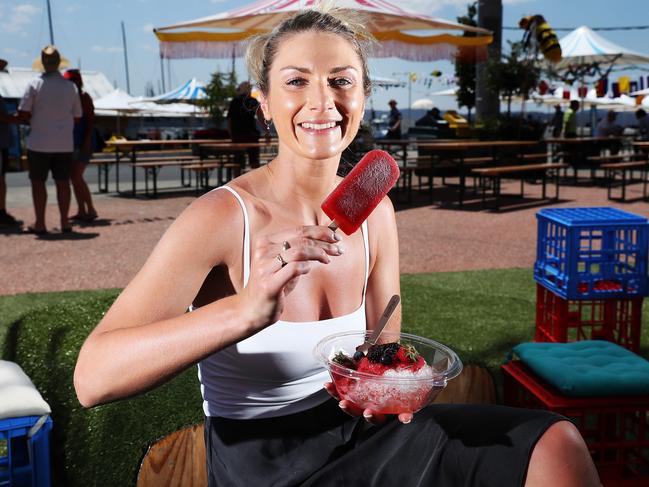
[[89, 34]]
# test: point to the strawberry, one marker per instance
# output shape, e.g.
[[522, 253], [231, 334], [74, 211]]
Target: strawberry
[[407, 354], [369, 367]]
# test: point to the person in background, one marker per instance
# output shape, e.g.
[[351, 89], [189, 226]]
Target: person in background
[[607, 127], [51, 106], [430, 118], [394, 121], [84, 146], [557, 121], [242, 122], [6, 220], [643, 124], [570, 120]]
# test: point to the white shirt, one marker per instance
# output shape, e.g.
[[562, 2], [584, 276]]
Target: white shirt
[[274, 372], [54, 103]]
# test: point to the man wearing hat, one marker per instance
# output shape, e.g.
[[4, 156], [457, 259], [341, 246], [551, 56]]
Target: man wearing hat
[[50, 105], [5, 142], [394, 121]]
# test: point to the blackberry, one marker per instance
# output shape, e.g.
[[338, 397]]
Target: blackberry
[[377, 352], [387, 359], [358, 356]]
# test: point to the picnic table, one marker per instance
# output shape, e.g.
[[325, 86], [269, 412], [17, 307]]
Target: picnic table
[[576, 151], [169, 157], [457, 150], [133, 147]]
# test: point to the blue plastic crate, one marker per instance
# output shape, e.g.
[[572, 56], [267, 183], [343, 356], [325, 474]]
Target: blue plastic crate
[[24, 462], [592, 253]]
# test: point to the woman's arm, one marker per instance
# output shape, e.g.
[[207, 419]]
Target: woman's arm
[[383, 281], [146, 337]]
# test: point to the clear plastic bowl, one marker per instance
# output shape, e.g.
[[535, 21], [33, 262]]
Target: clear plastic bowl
[[383, 394]]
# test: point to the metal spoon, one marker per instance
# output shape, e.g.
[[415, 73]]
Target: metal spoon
[[383, 320]]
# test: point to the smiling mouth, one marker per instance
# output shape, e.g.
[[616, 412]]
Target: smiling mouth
[[319, 128]]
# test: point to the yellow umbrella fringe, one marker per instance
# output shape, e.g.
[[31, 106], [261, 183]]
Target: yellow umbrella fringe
[[201, 36]]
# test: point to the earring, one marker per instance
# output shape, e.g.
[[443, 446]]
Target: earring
[[267, 123]]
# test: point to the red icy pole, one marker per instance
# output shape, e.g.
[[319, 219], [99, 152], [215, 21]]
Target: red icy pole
[[361, 191]]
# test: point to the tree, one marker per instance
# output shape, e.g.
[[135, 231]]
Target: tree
[[465, 70], [514, 74], [219, 92]]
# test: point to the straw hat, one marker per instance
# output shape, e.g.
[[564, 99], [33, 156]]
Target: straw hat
[[50, 57]]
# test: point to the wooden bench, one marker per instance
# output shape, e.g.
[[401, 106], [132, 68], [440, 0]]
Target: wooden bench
[[152, 166], [536, 157], [104, 163], [203, 170], [494, 175], [623, 169]]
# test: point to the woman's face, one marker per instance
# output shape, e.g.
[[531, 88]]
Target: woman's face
[[315, 96]]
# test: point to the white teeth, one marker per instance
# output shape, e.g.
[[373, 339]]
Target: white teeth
[[319, 126]]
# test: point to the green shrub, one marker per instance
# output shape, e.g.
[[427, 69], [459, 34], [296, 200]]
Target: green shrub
[[100, 446]]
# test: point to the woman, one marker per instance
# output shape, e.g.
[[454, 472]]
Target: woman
[[258, 312], [83, 148]]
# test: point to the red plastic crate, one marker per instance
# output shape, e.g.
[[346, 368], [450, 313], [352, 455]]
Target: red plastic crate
[[616, 429], [561, 320]]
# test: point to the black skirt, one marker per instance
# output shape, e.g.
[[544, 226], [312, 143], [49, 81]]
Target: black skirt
[[445, 445]]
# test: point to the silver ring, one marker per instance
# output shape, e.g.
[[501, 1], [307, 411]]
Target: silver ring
[[285, 245], [281, 260]]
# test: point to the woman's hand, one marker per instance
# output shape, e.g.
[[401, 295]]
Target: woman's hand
[[354, 410], [277, 262]]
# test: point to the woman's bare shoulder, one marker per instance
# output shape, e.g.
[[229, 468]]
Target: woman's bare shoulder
[[383, 213]]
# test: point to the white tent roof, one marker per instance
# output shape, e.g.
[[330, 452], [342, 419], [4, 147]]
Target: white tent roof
[[446, 92], [120, 103], [13, 83], [584, 46]]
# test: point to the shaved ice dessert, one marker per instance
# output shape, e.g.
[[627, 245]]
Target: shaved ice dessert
[[403, 374]]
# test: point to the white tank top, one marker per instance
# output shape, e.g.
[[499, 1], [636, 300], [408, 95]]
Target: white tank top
[[274, 372]]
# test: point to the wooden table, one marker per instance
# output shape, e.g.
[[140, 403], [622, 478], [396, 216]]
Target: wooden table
[[403, 144], [461, 146], [133, 146], [578, 149], [643, 145]]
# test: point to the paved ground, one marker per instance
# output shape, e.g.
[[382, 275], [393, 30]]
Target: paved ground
[[108, 252]]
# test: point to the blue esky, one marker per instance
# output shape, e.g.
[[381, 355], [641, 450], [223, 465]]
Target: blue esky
[[89, 33]]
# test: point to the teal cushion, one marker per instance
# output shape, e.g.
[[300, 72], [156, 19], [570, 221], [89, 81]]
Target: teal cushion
[[587, 368]]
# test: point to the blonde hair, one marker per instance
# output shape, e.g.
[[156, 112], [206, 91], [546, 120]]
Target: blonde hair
[[346, 23]]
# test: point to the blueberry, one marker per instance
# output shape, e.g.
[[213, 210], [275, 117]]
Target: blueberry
[[358, 356]]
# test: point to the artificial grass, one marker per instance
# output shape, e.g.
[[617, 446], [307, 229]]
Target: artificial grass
[[480, 314]]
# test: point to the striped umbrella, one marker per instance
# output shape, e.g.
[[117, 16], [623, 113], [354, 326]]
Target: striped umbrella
[[390, 24], [189, 92]]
